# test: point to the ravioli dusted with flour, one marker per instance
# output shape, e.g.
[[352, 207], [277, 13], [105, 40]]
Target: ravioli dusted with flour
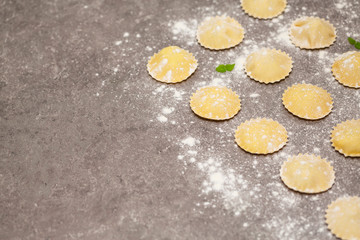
[[220, 33], [346, 69], [312, 33], [171, 65], [345, 138], [261, 136], [268, 65], [343, 218], [307, 173], [263, 9], [215, 103], [307, 101]]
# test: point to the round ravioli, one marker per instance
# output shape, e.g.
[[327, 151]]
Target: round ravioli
[[312, 33], [220, 33], [261, 136], [346, 69], [345, 138], [307, 101], [215, 102], [343, 218], [171, 65], [268, 65], [263, 9], [307, 173]]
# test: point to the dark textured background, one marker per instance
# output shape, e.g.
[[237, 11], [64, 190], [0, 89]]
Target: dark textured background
[[84, 157]]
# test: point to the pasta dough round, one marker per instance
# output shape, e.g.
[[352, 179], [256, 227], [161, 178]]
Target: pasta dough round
[[345, 138], [220, 33], [171, 65], [268, 65], [215, 102], [312, 33], [307, 101], [346, 69], [263, 9], [261, 136], [307, 173], [343, 218]]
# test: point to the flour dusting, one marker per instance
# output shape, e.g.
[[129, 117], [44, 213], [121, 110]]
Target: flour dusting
[[227, 183], [184, 30]]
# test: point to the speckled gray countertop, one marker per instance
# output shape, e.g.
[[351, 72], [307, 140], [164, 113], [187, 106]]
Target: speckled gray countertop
[[93, 148]]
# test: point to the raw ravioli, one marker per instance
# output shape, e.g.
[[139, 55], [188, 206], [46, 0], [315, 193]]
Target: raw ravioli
[[345, 138], [263, 9], [346, 69], [268, 65], [220, 33], [307, 101], [261, 136], [215, 102], [343, 218], [171, 65], [307, 173], [312, 33]]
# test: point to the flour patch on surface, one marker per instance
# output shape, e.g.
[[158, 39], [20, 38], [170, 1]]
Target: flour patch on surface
[[184, 30]]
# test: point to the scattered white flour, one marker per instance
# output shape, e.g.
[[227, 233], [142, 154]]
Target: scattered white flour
[[148, 48], [138, 35], [184, 30], [239, 65], [282, 35], [254, 95], [126, 34], [227, 183], [316, 150], [341, 4], [218, 82], [167, 110], [190, 141], [117, 43], [162, 118]]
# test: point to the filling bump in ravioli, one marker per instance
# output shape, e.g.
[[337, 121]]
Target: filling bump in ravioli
[[171, 65]]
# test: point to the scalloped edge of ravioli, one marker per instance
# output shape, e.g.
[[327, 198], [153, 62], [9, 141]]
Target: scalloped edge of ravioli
[[265, 14], [269, 65], [343, 147], [166, 70], [337, 217], [201, 95], [307, 43], [250, 146], [294, 182], [219, 40], [340, 73], [298, 110]]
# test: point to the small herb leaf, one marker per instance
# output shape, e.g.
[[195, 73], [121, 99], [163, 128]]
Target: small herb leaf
[[351, 41], [221, 68], [357, 45], [230, 67]]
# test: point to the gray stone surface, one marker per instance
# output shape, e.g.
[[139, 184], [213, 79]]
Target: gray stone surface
[[86, 152]]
